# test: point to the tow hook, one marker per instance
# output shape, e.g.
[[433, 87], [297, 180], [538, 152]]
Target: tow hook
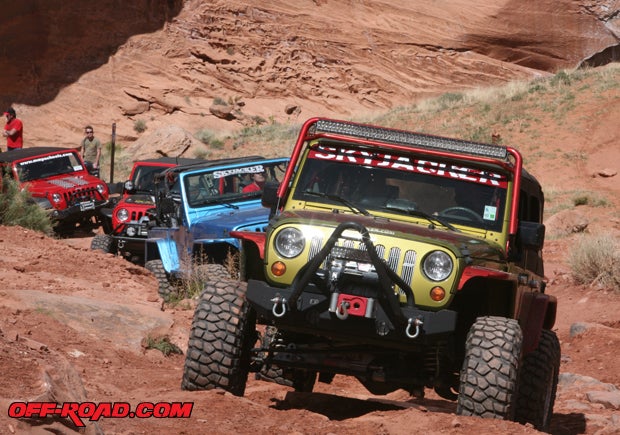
[[343, 310], [277, 301], [417, 323]]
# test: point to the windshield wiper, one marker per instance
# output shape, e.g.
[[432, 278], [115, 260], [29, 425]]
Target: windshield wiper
[[354, 207], [419, 213], [220, 202]]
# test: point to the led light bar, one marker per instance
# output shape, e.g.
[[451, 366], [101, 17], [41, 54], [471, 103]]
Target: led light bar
[[400, 137]]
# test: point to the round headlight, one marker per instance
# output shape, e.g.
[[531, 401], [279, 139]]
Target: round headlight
[[437, 266], [56, 197], [290, 242], [122, 214], [100, 188]]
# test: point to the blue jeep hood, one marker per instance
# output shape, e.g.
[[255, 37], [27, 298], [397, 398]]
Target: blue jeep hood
[[219, 225]]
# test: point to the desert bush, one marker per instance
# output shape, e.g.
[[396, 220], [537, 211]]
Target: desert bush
[[207, 137], [139, 126], [17, 207], [595, 260], [162, 344]]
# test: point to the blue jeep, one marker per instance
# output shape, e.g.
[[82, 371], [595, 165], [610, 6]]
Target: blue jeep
[[196, 208]]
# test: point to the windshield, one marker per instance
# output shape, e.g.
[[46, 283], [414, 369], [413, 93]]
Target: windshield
[[48, 166], [403, 185], [144, 177], [231, 184]]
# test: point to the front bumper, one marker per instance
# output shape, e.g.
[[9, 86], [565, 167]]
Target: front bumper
[[368, 320], [78, 212]]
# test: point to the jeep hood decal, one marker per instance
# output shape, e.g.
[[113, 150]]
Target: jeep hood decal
[[69, 182]]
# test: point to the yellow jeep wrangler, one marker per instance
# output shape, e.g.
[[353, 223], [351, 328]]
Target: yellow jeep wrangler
[[407, 261]]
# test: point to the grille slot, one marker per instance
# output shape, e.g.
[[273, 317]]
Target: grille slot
[[79, 195], [396, 259], [136, 215]]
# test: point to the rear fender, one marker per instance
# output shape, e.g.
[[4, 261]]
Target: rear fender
[[538, 311]]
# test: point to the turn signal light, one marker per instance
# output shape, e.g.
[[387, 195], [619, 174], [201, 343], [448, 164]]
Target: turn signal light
[[278, 268], [438, 294]]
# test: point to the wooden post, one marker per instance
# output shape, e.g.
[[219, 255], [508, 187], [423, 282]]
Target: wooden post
[[112, 147]]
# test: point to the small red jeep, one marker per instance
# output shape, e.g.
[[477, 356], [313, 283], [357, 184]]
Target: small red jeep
[[125, 223], [58, 181]]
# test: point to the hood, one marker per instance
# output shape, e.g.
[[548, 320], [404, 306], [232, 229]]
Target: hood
[[63, 183], [462, 244], [136, 201], [219, 225]]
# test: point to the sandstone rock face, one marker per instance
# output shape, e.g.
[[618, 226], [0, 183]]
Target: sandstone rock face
[[324, 58]]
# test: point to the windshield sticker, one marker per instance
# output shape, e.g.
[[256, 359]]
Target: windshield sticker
[[490, 213], [247, 170], [407, 164], [43, 159]]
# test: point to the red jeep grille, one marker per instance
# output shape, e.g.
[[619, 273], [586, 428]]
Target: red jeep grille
[[136, 215], [79, 195]]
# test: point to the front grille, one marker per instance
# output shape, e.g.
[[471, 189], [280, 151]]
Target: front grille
[[400, 262], [76, 196], [136, 215]]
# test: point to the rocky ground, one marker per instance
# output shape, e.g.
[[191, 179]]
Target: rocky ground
[[75, 323]]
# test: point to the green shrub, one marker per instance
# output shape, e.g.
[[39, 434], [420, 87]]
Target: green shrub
[[163, 344], [139, 126], [18, 208], [207, 137], [595, 260]]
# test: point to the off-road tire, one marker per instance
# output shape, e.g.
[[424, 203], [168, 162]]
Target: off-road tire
[[300, 380], [102, 242], [489, 377], [222, 335], [213, 272], [165, 288], [538, 382]]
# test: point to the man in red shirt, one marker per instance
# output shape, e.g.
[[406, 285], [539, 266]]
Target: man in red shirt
[[13, 130]]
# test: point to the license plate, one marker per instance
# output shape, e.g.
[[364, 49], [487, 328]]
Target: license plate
[[87, 205]]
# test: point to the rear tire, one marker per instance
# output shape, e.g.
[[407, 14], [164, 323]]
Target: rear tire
[[488, 382], [220, 340], [165, 288], [539, 382], [102, 242]]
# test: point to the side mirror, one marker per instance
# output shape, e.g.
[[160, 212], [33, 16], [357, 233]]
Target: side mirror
[[270, 194], [531, 235]]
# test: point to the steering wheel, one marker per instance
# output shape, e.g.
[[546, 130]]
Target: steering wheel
[[462, 212]]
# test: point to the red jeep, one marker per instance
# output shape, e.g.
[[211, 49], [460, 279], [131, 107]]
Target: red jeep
[[125, 223], [58, 181]]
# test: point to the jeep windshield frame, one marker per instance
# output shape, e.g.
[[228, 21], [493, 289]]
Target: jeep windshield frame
[[52, 165], [335, 174], [495, 158], [225, 185]]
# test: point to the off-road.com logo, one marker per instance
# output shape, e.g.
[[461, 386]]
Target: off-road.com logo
[[77, 411]]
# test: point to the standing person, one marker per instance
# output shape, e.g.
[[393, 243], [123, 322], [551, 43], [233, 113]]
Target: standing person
[[13, 131], [91, 150]]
